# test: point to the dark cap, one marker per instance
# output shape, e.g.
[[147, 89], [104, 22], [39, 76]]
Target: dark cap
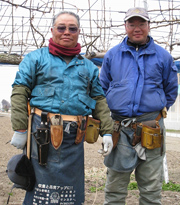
[[137, 11], [21, 172]]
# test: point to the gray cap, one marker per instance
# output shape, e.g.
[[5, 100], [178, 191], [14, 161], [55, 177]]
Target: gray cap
[[137, 11]]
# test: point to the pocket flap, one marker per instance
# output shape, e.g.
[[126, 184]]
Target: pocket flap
[[48, 91]]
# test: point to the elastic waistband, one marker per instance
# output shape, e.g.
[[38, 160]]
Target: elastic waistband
[[64, 117]]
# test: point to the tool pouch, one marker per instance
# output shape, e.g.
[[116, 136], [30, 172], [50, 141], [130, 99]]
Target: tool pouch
[[151, 136], [56, 131], [92, 132], [116, 133], [81, 130], [42, 137]]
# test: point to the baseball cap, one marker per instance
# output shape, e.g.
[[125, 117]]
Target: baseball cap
[[137, 11]]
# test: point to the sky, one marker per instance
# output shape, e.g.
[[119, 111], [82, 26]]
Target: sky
[[7, 72]]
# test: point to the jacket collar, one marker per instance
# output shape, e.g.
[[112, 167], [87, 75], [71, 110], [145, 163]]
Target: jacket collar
[[148, 48]]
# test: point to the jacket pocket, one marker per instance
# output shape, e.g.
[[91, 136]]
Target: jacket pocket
[[43, 92], [42, 97]]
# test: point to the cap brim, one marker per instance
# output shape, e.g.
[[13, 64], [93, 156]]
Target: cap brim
[[127, 18]]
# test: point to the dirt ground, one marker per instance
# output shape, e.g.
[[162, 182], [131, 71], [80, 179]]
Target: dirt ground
[[95, 171]]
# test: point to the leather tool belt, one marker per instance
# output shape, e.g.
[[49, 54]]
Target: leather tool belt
[[147, 132], [64, 117], [57, 126]]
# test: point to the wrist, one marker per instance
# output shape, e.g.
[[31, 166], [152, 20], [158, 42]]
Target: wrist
[[22, 131]]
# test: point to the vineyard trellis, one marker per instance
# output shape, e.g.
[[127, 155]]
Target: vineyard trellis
[[25, 26]]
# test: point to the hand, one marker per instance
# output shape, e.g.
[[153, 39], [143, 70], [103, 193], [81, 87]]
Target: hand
[[164, 112], [19, 139], [107, 145]]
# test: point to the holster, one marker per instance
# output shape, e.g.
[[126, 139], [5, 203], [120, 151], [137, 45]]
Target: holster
[[56, 131], [42, 138], [137, 135], [116, 133], [92, 132], [81, 130]]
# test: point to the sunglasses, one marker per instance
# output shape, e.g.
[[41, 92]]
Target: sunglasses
[[72, 29]]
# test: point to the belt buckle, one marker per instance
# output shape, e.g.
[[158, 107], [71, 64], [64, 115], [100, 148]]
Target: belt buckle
[[128, 122]]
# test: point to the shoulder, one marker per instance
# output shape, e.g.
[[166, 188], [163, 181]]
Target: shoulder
[[88, 66], [117, 49], [162, 52], [114, 49], [87, 62], [38, 54]]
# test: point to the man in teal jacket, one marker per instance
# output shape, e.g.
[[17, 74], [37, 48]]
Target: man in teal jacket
[[58, 80], [139, 79]]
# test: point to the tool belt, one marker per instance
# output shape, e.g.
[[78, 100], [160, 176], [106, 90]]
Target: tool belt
[[50, 115], [92, 132], [55, 132], [146, 132]]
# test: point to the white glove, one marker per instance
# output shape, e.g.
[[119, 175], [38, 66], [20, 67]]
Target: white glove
[[19, 139], [107, 145]]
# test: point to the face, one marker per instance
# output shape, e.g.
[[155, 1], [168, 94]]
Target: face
[[67, 35], [137, 30]]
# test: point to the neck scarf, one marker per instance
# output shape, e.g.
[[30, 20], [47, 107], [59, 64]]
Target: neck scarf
[[58, 50]]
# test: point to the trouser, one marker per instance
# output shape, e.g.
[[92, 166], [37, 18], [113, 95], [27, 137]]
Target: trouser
[[149, 177], [148, 174]]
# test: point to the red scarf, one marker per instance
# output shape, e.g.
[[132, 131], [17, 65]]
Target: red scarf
[[58, 50]]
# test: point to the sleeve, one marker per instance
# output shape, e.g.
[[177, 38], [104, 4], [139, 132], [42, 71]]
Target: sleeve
[[105, 77], [27, 70], [19, 113], [102, 113], [95, 87], [170, 82]]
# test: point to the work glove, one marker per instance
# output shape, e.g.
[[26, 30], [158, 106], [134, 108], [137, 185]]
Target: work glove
[[19, 139], [107, 145]]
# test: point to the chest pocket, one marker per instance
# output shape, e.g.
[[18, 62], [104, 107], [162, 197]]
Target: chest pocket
[[43, 92]]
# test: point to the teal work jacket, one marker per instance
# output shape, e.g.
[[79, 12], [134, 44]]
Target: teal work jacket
[[59, 87]]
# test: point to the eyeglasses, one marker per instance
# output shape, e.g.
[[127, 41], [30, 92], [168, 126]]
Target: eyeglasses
[[61, 29], [132, 26]]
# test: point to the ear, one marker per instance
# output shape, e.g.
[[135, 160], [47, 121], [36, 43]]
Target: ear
[[52, 30], [125, 26], [149, 26]]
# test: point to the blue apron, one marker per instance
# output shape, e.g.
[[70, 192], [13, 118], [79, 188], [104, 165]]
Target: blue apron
[[61, 181]]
